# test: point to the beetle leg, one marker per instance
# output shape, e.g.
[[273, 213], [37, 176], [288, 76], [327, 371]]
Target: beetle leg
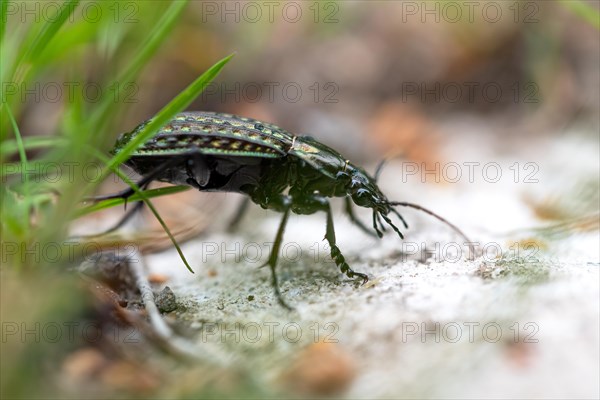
[[142, 183], [354, 219], [128, 215], [235, 221], [336, 254], [122, 194], [272, 262]]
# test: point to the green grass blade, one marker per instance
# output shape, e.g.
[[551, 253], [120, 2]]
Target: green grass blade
[[150, 47], [584, 10], [176, 105], [49, 30], [23, 158], [3, 19], [156, 38], [10, 147], [35, 44], [143, 197], [162, 223]]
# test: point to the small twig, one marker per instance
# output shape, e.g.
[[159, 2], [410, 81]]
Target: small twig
[[171, 342]]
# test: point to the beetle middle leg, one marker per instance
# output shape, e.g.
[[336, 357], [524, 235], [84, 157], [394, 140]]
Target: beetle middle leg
[[237, 218], [272, 262]]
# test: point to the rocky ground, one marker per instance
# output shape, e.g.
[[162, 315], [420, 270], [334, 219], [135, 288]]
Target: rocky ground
[[522, 321]]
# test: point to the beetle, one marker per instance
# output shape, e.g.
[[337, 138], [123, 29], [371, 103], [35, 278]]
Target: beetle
[[275, 169]]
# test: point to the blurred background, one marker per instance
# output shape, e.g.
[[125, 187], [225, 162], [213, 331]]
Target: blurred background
[[423, 83], [366, 75]]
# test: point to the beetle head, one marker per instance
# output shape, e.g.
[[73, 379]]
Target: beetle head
[[364, 192], [362, 188]]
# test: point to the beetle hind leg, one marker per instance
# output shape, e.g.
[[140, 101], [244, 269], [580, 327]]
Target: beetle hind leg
[[128, 215], [142, 184]]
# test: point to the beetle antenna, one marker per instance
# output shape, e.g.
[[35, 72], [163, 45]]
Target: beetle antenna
[[451, 225], [379, 168]]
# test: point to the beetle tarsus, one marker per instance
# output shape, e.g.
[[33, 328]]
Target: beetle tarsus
[[364, 277]]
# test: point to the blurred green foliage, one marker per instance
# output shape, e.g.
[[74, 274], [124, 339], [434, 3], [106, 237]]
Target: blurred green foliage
[[110, 49], [36, 211]]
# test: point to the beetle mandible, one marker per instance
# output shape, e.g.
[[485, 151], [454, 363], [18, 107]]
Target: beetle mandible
[[272, 167]]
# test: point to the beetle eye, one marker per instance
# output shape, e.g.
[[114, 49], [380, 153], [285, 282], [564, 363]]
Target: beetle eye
[[342, 175], [362, 197]]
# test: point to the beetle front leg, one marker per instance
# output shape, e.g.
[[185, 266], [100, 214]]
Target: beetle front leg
[[355, 220], [336, 254]]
